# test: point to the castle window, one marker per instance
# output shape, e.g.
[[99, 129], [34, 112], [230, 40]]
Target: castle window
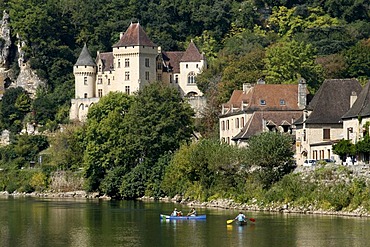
[[159, 65], [100, 93], [99, 67], [147, 62], [127, 76], [191, 78], [119, 63], [85, 80], [108, 81], [100, 80], [147, 75], [196, 66], [187, 66], [127, 89], [127, 62], [85, 95], [176, 78]]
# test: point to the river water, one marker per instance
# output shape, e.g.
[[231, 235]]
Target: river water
[[78, 222]]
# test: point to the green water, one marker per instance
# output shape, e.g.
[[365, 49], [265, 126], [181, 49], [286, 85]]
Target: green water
[[69, 222]]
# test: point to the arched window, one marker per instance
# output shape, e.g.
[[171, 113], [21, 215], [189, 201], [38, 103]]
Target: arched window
[[191, 78]]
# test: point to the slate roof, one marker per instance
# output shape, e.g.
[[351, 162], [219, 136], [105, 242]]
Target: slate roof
[[361, 107], [85, 58], [107, 59], [174, 60], [255, 125], [134, 36], [332, 101], [283, 97], [192, 54]]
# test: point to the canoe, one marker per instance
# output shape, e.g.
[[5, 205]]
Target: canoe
[[191, 217], [241, 223]]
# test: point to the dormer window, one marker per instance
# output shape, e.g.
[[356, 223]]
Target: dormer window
[[262, 102], [282, 102]]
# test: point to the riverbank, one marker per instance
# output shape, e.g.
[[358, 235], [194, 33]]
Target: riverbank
[[220, 203]]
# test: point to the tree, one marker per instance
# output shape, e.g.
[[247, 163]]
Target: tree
[[358, 60], [105, 138], [14, 107], [272, 154], [286, 62], [344, 148]]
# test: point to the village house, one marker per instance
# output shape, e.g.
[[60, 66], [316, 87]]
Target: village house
[[261, 107], [322, 125], [356, 121], [135, 62]]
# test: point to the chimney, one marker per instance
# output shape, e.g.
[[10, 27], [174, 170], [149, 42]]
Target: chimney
[[352, 99], [246, 87], [302, 93], [120, 35]]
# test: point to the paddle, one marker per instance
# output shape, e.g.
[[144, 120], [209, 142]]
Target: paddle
[[231, 221]]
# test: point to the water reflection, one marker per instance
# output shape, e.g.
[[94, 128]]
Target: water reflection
[[51, 222]]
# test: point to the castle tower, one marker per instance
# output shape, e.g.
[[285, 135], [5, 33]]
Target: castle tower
[[85, 75], [85, 80], [191, 64], [134, 58]]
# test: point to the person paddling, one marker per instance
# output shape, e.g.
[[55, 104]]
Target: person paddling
[[240, 217], [192, 212]]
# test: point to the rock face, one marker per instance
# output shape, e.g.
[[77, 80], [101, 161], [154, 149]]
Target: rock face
[[5, 41]]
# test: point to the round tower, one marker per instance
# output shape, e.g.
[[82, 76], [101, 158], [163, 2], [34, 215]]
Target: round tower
[[85, 75]]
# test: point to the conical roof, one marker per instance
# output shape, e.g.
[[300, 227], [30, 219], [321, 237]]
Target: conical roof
[[85, 58], [134, 36], [192, 54]]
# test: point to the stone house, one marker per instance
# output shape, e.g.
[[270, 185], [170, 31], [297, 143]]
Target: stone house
[[134, 62], [321, 124], [261, 107], [356, 121]]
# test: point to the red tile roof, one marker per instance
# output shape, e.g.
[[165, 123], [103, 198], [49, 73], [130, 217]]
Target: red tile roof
[[192, 54], [134, 35]]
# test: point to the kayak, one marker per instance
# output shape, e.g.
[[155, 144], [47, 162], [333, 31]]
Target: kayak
[[191, 217], [241, 223]]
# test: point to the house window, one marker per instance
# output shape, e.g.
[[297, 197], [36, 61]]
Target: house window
[[100, 93], [282, 102], [159, 65], [326, 134], [85, 95], [237, 123], [242, 122], [119, 63], [196, 66], [187, 66], [227, 125], [159, 77], [127, 89], [223, 125], [147, 75], [85, 80], [191, 78], [127, 62], [262, 102], [176, 79], [127, 76], [147, 62]]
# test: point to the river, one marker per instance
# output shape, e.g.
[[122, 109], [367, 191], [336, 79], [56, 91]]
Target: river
[[87, 223]]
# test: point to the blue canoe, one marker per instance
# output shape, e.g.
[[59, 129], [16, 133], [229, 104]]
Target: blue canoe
[[169, 217]]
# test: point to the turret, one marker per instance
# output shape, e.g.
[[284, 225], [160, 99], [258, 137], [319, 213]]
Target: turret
[[85, 75]]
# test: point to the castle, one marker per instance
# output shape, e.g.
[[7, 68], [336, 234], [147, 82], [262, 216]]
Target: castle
[[134, 62]]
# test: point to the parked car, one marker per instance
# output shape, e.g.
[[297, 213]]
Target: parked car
[[326, 161], [309, 162]]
